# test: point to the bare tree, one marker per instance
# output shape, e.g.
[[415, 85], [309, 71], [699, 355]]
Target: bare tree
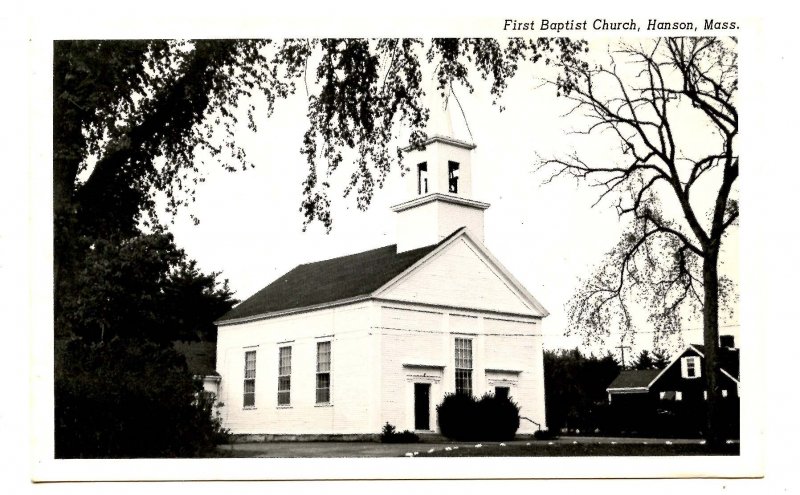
[[671, 105]]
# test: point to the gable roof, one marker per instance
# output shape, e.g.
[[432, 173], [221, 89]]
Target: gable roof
[[486, 257], [327, 281], [728, 359], [201, 357], [633, 379]]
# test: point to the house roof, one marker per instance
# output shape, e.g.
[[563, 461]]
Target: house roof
[[728, 359], [628, 379], [200, 357], [332, 280]]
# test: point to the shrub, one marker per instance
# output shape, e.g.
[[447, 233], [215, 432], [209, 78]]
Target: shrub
[[462, 417], [127, 398], [545, 435], [390, 435], [458, 417], [498, 417]]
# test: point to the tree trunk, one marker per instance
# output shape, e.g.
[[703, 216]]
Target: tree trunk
[[712, 433]]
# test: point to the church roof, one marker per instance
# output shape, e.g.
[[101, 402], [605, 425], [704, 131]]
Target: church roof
[[327, 281]]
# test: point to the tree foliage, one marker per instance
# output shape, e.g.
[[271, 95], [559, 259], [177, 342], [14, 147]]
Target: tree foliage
[[137, 118], [143, 287], [653, 99], [575, 389], [129, 398]]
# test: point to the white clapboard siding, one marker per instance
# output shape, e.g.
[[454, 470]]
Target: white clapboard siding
[[459, 276], [348, 329]]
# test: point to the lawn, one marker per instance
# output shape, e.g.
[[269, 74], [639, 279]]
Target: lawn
[[582, 449], [564, 447]]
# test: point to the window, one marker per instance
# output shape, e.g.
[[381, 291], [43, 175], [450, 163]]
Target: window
[[724, 392], [284, 375], [501, 392], [690, 367], [422, 178], [323, 372], [452, 177], [464, 366], [249, 379]]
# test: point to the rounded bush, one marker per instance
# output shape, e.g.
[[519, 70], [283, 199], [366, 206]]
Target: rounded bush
[[499, 417], [457, 417], [464, 418]]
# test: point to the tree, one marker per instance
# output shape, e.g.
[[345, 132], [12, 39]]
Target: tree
[[669, 255], [143, 287], [129, 398], [133, 119], [644, 361], [660, 359], [575, 389]]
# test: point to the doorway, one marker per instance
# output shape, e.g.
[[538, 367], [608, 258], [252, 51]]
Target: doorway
[[422, 406]]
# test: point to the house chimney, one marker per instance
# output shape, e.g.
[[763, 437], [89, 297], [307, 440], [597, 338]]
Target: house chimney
[[726, 341]]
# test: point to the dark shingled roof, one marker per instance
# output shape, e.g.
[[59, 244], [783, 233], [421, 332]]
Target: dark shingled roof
[[728, 358], [331, 280], [634, 378], [201, 357]]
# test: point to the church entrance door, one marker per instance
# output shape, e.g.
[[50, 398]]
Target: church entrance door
[[422, 406]]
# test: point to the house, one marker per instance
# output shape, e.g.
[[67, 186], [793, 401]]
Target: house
[[342, 346], [647, 399], [683, 379]]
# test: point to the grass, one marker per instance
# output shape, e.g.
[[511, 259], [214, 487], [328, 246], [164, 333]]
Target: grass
[[584, 449]]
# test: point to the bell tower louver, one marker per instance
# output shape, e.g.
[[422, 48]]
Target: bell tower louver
[[438, 185]]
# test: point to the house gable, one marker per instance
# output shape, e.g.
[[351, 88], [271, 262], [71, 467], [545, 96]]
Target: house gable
[[672, 377], [462, 273]]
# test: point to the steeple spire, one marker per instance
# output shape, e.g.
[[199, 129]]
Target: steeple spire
[[439, 183], [440, 121]]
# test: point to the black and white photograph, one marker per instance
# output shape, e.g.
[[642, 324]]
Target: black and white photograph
[[288, 252]]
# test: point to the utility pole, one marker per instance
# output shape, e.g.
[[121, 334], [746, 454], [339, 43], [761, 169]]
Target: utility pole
[[622, 352]]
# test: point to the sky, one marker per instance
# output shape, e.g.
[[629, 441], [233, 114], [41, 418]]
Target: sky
[[548, 235]]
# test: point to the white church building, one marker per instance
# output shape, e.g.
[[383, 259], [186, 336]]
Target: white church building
[[344, 345]]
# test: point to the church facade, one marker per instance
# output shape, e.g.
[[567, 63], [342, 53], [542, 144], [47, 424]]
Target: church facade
[[342, 346]]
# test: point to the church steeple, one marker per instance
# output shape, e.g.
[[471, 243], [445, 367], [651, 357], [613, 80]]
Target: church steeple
[[438, 184]]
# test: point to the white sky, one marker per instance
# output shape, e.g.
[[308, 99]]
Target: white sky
[[548, 236]]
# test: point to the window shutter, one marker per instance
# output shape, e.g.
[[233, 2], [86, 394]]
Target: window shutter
[[684, 367]]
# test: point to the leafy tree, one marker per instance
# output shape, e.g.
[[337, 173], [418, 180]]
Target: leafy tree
[[668, 258], [137, 118], [644, 361], [660, 359], [575, 388], [129, 398], [143, 287]]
